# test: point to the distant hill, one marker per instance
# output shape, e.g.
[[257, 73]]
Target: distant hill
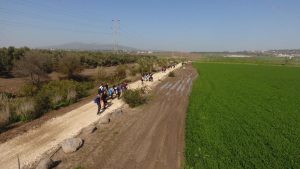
[[88, 46]]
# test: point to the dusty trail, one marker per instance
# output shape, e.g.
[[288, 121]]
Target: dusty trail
[[31, 145], [150, 137]]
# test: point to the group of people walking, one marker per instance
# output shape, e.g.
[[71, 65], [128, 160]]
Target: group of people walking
[[147, 77], [105, 93], [164, 69]]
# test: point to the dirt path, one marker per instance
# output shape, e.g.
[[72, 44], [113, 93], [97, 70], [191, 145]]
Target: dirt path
[[31, 145], [150, 137]]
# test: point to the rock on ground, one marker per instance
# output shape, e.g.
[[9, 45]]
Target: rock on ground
[[71, 145], [89, 130]]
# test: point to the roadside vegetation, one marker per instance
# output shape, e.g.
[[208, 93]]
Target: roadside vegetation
[[135, 98], [244, 116], [171, 74], [54, 79]]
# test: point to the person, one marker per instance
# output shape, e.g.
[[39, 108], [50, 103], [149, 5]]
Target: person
[[115, 89], [106, 86], [151, 77], [98, 102], [100, 89], [111, 92], [104, 99], [142, 79], [119, 90], [124, 86]]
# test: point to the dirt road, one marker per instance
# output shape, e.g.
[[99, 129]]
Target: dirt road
[[150, 137], [31, 145]]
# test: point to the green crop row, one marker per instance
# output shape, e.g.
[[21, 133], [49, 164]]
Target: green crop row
[[244, 116]]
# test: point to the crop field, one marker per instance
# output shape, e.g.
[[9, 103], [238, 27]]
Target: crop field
[[244, 116]]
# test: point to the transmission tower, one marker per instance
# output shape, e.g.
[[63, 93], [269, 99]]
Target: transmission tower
[[116, 31]]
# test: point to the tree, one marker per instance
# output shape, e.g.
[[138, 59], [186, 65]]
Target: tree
[[8, 56], [120, 72], [32, 66], [70, 65], [146, 64]]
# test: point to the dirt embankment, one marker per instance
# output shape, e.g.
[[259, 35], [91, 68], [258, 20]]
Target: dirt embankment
[[151, 136]]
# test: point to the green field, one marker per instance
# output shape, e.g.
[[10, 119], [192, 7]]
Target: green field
[[244, 116]]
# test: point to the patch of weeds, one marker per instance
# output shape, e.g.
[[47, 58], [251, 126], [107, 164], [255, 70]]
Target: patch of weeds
[[135, 98]]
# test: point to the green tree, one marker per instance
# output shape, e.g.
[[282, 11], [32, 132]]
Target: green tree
[[70, 65]]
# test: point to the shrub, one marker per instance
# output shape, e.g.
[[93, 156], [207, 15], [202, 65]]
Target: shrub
[[25, 109], [72, 95], [57, 94], [56, 99], [134, 71], [120, 73], [145, 64], [42, 101], [70, 65], [4, 116], [4, 110], [28, 90], [134, 97], [102, 74], [171, 74]]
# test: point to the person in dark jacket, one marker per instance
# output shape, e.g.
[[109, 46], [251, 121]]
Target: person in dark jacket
[[119, 90], [104, 99], [98, 102]]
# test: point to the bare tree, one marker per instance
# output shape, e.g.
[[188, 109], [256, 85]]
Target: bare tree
[[32, 66]]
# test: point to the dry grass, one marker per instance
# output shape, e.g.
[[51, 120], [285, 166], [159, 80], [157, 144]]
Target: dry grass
[[4, 110], [56, 99], [72, 94], [25, 109]]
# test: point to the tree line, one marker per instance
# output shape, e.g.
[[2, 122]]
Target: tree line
[[37, 63]]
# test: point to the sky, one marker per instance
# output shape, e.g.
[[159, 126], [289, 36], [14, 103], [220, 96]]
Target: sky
[[173, 25]]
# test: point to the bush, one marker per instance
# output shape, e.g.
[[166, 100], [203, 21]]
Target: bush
[[120, 73], [134, 71], [70, 65], [102, 74], [134, 97], [42, 101], [57, 94], [25, 109], [171, 74], [4, 110], [28, 90]]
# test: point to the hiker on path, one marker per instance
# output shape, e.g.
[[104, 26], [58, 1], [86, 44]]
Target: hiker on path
[[142, 79], [151, 77], [104, 99], [119, 90], [98, 102], [111, 92], [115, 90], [124, 86]]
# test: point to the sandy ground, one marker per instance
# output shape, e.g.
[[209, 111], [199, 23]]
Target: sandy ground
[[30, 146], [149, 137]]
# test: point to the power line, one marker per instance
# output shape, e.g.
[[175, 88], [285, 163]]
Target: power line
[[116, 31]]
